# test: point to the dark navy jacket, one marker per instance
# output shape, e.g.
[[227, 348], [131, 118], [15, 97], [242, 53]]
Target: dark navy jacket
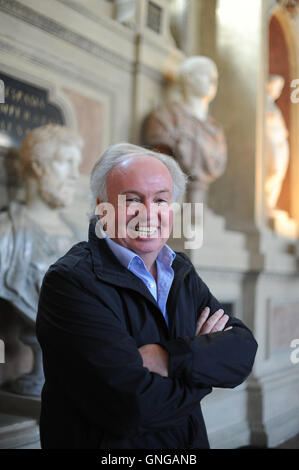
[[93, 316]]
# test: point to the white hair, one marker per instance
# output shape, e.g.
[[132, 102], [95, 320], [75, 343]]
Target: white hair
[[120, 152]]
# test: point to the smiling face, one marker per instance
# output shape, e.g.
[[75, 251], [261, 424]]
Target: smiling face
[[142, 181]]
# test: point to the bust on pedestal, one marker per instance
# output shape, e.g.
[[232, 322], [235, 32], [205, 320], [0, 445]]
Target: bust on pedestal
[[34, 234], [185, 130]]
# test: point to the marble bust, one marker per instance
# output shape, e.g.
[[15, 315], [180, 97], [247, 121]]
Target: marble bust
[[184, 129], [277, 146], [33, 234]]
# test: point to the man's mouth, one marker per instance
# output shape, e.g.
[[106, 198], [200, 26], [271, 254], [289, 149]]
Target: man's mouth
[[145, 231]]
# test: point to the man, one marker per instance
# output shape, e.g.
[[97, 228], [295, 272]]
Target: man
[[132, 338]]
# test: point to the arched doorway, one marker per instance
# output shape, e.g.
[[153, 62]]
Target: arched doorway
[[283, 60]]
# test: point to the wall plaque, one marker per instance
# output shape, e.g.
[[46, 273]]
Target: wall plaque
[[25, 107], [154, 17]]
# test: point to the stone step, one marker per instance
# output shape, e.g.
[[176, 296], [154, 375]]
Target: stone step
[[17, 432], [21, 405]]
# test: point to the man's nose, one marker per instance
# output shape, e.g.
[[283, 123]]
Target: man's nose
[[149, 212]]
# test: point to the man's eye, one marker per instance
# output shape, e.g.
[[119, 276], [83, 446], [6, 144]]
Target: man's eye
[[161, 201], [132, 199]]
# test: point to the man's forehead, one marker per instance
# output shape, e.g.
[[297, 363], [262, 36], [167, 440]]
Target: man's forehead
[[140, 174], [139, 193], [136, 165]]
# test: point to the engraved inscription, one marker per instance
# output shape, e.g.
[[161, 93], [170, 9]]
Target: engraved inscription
[[24, 107]]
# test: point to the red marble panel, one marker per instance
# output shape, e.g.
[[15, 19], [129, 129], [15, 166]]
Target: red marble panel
[[89, 114]]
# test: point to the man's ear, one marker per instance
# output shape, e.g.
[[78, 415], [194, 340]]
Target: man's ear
[[98, 201], [37, 168]]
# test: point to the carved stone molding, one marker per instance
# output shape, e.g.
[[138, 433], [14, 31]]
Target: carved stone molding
[[63, 68], [24, 13], [50, 62]]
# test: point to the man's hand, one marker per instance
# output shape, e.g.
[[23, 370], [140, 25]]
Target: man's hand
[[155, 358], [216, 322]]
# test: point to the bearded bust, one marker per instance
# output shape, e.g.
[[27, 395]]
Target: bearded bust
[[33, 234]]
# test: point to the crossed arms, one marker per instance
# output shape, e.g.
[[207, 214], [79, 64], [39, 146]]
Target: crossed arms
[[89, 354], [156, 358]]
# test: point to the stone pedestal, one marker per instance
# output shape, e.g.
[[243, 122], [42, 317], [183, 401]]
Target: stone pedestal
[[19, 418], [282, 224], [18, 432]]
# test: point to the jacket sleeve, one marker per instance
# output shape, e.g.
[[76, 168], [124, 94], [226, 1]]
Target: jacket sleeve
[[88, 353], [221, 359]]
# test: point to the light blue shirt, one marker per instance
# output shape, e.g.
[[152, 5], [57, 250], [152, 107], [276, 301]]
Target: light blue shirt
[[135, 264]]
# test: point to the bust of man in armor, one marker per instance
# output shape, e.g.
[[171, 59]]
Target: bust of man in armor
[[184, 128], [33, 234]]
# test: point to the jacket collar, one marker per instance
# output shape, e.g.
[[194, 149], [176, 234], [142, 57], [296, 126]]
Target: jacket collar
[[109, 269]]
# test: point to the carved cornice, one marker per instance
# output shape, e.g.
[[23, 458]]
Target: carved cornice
[[50, 62], [64, 68], [27, 14], [105, 21]]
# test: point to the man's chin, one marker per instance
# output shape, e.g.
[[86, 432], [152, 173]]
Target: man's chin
[[145, 244]]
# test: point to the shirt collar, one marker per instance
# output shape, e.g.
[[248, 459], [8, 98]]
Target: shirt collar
[[126, 256]]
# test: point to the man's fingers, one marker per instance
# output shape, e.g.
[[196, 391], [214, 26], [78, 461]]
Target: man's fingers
[[201, 320], [215, 322], [220, 324], [211, 322]]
